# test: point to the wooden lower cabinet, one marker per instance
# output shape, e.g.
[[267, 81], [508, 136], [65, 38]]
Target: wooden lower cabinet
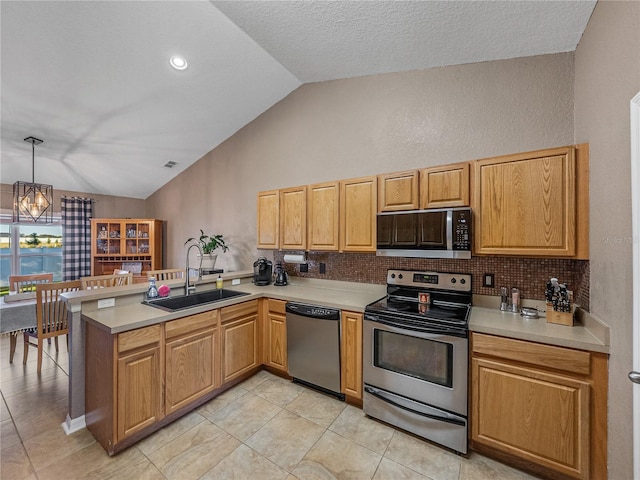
[[239, 342], [351, 355], [539, 406], [275, 335], [138, 380], [139, 377], [191, 352], [124, 381]]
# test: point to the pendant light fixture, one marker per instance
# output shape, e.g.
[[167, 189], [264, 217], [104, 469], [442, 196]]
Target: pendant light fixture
[[32, 202]]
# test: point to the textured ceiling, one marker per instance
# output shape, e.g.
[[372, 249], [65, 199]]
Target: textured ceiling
[[92, 79]]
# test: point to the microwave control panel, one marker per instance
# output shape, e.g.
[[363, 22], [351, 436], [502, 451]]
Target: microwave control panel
[[462, 230]]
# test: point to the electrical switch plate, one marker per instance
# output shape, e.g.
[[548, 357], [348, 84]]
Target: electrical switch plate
[[487, 280], [107, 302], [235, 281], [304, 267]]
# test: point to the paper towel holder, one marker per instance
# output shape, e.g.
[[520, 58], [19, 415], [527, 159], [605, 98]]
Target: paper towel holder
[[290, 258]]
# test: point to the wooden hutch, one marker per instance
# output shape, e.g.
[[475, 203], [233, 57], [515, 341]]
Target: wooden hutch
[[126, 244]]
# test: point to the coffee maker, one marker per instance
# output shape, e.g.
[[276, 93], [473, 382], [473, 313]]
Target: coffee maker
[[262, 271], [281, 276]]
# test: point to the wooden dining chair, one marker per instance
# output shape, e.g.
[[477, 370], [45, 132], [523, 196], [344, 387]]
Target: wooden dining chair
[[27, 283], [106, 281], [51, 316], [167, 274]]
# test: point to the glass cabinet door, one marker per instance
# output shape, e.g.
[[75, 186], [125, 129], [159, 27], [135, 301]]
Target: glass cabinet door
[[107, 238]]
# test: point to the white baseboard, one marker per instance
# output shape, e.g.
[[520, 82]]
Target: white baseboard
[[72, 425]]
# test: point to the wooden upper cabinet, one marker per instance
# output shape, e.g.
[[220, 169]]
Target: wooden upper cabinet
[[268, 219], [358, 201], [323, 216], [445, 186], [525, 204], [398, 191], [293, 218]]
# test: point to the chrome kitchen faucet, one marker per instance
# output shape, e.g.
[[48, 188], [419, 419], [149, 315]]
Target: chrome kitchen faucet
[[192, 288]]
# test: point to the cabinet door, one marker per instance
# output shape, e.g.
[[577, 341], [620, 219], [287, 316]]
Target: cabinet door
[[358, 200], [139, 391], [190, 370], [268, 219], [192, 361], [398, 191], [293, 218], [445, 186], [275, 327], [323, 216], [351, 354], [532, 414], [239, 329], [525, 204]]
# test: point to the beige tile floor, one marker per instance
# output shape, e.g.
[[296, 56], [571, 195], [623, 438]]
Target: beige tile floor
[[264, 428]]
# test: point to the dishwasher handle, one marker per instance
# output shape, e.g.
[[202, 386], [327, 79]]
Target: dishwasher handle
[[312, 311]]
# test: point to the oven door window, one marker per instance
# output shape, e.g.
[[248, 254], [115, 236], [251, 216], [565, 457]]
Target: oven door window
[[416, 357]]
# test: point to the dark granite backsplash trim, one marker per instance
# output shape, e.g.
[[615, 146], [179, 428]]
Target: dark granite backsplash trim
[[528, 274]]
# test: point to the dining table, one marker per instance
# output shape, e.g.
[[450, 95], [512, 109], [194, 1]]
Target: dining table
[[17, 314]]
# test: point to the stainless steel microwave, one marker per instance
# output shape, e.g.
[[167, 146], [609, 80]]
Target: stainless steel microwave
[[434, 233]]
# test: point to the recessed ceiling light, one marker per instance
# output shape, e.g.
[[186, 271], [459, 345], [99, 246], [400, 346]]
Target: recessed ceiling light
[[177, 62]]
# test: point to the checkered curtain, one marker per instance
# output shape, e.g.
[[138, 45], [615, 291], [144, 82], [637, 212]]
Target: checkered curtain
[[76, 237]]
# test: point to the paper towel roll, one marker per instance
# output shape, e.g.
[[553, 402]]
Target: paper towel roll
[[295, 259]]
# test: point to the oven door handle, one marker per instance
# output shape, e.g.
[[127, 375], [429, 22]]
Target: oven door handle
[[375, 393]]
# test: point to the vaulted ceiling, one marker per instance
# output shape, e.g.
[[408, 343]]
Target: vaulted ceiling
[[93, 80]]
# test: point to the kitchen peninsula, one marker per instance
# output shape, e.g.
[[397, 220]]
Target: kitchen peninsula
[[129, 315]]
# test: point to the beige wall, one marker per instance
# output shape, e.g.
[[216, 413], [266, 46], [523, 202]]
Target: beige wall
[[607, 72], [354, 127], [106, 206]]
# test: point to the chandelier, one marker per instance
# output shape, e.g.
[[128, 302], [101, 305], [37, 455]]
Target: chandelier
[[32, 202]]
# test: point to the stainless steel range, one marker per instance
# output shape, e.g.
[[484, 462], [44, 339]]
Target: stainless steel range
[[415, 354]]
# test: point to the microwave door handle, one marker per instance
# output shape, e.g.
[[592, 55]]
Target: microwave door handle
[[375, 393], [449, 238]]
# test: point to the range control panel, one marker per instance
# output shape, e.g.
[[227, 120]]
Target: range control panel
[[460, 282]]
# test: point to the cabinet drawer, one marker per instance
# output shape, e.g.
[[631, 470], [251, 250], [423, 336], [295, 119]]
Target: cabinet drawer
[[240, 310], [277, 306], [191, 323], [558, 358], [138, 338]]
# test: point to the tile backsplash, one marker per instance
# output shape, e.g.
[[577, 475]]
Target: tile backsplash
[[528, 274]]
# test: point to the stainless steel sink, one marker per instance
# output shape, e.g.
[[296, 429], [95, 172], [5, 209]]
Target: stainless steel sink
[[172, 304]]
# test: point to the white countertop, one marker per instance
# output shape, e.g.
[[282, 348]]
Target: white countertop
[[342, 295], [505, 324], [129, 313]]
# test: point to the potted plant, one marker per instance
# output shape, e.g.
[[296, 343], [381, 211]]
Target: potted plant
[[208, 245]]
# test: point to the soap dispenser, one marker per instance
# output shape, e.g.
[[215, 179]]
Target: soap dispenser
[[219, 282], [152, 291]]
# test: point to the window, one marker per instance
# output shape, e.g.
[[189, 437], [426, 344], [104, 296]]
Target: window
[[29, 248]]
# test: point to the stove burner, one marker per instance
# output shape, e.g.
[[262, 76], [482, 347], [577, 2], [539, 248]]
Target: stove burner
[[445, 309]]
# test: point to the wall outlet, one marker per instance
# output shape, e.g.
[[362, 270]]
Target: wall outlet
[[488, 280], [106, 303], [323, 267], [235, 281]]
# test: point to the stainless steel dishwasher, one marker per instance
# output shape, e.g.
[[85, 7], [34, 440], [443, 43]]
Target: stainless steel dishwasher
[[313, 346]]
